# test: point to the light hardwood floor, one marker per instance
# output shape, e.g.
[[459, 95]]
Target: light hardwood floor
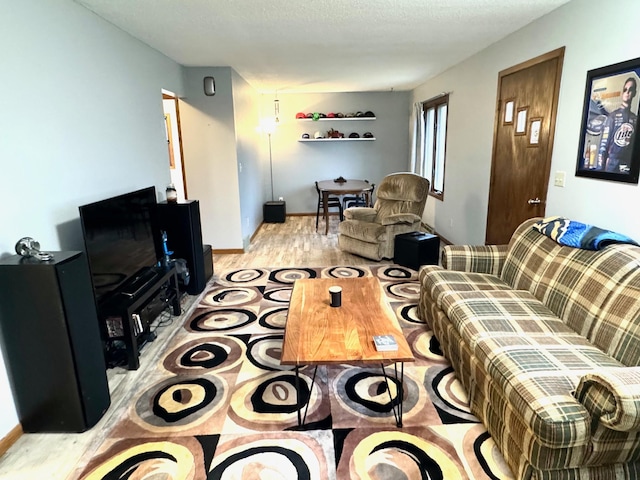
[[294, 243]]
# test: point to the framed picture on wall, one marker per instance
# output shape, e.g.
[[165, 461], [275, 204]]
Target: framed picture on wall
[[609, 148], [521, 121]]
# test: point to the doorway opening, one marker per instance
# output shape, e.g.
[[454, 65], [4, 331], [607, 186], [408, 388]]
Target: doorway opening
[[171, 111]]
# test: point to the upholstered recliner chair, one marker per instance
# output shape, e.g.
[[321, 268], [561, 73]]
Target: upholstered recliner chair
[[370, 232]]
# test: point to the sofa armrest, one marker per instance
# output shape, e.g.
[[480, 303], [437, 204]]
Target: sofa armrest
[[365, 214], [474, 258], [612, 397], [396, 218]]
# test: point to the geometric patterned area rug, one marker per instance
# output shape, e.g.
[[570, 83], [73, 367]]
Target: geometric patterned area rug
[[220, 406]]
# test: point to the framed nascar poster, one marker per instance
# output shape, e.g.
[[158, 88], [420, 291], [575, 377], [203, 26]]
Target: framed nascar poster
[[609, 147]]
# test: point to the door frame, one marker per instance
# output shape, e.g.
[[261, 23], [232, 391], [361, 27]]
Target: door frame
[[559, 55], [167, 96]]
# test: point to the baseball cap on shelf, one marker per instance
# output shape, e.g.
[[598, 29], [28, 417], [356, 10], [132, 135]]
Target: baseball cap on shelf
[[305, 135], [318, 134], [359, 114], [339, 115], [354, 135], [349, 115], [309, 115], [301, 115], [369, 113], [367, 135], [331, 115]]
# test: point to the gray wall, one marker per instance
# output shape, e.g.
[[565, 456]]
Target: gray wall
[[252, 156], [82, 120], [594, 36], [296, 165], [224, 155], [210, 155]]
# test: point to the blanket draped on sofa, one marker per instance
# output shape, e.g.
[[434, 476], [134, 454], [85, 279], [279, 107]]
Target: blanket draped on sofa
[[580, 235]]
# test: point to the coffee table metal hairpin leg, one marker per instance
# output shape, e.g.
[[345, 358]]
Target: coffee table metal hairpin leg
[[302, 419], [399, 379]]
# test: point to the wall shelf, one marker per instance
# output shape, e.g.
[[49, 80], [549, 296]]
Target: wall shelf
[[335, 119], [337, 139]]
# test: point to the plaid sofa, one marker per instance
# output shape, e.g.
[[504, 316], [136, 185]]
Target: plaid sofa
[[546, 340]]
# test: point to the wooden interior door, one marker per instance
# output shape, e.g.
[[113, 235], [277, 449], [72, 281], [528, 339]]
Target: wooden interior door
[[522, 143]]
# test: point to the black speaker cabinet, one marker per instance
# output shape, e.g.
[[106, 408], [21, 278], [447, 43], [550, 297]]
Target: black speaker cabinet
[[208, 262], [51, 342], [274, 212], [181, 221]]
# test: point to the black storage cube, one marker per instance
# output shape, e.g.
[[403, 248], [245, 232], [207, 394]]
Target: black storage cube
[[415, 249], [274, 212]]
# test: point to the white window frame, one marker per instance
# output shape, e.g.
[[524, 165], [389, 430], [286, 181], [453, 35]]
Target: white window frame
[[435, 114]]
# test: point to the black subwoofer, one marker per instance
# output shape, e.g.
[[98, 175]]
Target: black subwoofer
[[208, 262]]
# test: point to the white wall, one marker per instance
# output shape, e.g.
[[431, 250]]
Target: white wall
[[253, 154], [595, 35], [296, 165], [210, 156], [82, 120]]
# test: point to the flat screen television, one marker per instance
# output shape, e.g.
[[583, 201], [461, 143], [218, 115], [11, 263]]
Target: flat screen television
[[119, 237]]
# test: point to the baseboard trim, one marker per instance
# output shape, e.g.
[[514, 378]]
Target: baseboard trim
[[10, 438], [224, 251], [443, 240], [331, 214]]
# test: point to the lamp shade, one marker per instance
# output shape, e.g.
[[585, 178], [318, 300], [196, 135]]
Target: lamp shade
[[268, 125]]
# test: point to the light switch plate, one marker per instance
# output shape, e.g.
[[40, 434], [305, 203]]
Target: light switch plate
[[558, 180]]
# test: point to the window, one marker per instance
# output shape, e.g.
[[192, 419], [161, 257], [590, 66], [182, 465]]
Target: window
[[435, 139]]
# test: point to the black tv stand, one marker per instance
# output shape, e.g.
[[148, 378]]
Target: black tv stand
[[121, 313], [137, 283]]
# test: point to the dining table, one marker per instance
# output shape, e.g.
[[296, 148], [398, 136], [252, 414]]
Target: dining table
[[342, 187]]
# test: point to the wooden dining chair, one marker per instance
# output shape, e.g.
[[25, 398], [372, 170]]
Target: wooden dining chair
[[332, 202], [359, 200]]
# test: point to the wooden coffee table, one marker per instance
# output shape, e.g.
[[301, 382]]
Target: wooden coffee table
[[318, 334]]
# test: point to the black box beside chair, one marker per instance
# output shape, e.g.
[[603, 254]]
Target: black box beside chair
[[274, 212], [414, 249]]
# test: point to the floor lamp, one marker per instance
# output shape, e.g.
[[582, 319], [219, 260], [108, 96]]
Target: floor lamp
[[271, 165], [273, 211]]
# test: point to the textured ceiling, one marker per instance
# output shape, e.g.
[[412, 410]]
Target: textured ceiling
[[322, 45]]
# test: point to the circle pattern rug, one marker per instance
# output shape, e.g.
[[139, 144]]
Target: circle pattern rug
[[218, 404]]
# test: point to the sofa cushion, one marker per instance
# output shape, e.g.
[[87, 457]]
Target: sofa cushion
[[528, 256], [497, 312], [536, 374], [474, 258], [598, 295], [438, 282]]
